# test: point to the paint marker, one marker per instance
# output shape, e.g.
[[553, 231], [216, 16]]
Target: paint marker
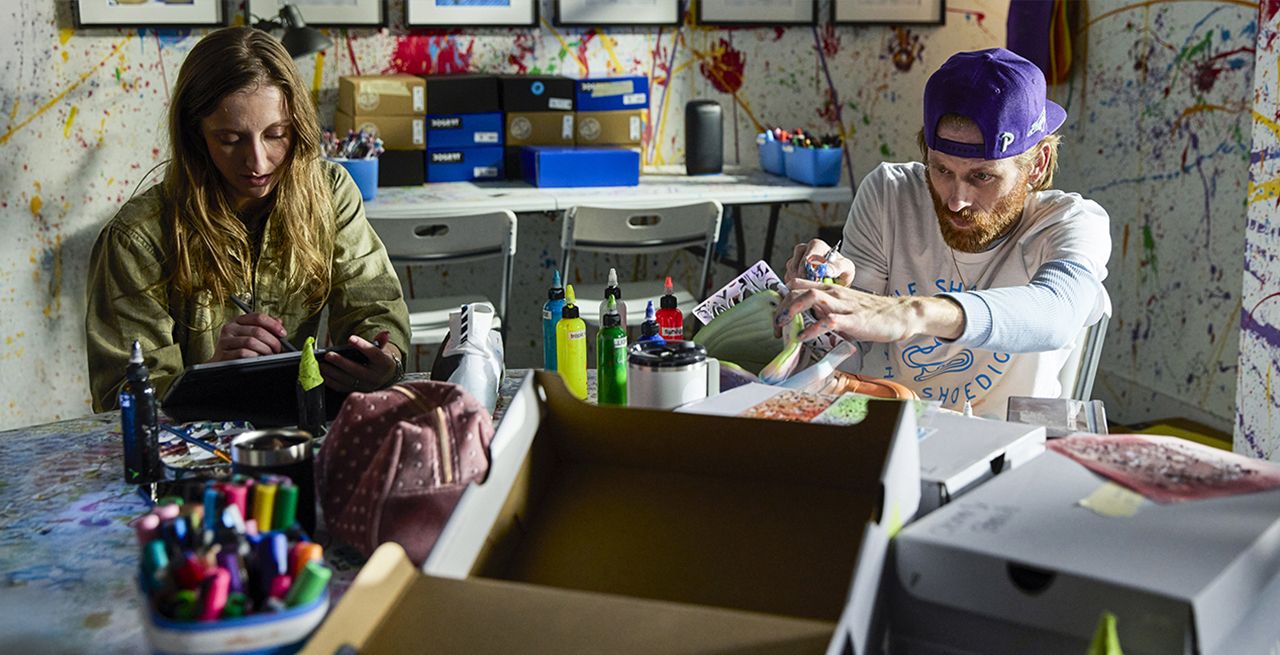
[[264, 501], [310, 585], [146, 527], [669, 316], [551, 314], [213, 594], [286, 507]]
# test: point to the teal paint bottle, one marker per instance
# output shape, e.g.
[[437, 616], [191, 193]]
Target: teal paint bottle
[[551, 313]]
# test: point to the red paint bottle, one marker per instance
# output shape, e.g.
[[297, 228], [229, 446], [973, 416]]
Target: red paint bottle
[[670, 318]]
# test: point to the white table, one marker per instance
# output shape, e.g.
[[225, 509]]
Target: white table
[[734, 188]]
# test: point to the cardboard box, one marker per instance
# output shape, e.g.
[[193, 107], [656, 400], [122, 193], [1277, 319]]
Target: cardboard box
[[958, 453], [382, 95], [464, 130], [396, 132], [402, 168], [540, 128], [1017, 566], [610, 128], [546, 166], [640, 531], [612, 94], [464, 164], [462, 94], [526, 93]]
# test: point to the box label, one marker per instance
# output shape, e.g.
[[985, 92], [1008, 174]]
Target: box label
[[560, 103], [606, 89], [484, 171], [520, 128], [447, 123], [589, 129], [635, 128], [419, 99], [419, 135], [446, 157], [566, 128], [633, 99], [486, 137]]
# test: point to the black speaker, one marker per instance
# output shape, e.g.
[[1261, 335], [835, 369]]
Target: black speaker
[[703, 137]]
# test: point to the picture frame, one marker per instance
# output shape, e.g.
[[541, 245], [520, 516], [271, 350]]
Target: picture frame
[[888, 12], [150, 13], [586, 13], [471, 13], [757, 12], [324, 13]]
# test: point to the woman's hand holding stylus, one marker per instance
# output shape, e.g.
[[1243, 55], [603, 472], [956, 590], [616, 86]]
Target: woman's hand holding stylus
[[343, 374], [250, 335]]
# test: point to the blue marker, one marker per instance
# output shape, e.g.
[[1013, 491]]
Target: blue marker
[[551, 313]]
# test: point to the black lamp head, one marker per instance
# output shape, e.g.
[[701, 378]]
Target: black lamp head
[[299, 40]]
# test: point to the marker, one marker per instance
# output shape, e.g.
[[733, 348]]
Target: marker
[[154, 561], [214, 594], [301, 553], [236, 605], [244, 307], [309, 585], [237, 496], [229, 562], [286, 506], [184, 606], [146, 527], [280, 586], [212, 498], [264, 501]]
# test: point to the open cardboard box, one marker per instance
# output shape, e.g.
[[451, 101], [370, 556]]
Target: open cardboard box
[[640, 531], [1017, 566]]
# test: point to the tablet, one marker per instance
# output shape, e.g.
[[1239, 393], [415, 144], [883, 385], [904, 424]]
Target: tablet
[[261, 390]]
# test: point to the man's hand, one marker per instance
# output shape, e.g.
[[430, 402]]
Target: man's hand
[[249, 335], [858, 316], [342, 374], [839, 268]]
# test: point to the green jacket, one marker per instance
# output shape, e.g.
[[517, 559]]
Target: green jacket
[[177, 332]]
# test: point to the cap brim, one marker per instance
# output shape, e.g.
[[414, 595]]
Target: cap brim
[[1054, 116]]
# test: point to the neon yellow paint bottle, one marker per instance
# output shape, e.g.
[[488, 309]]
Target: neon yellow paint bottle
[[571, 346]]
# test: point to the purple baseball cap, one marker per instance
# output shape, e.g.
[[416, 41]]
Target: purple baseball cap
[[1001, 92]]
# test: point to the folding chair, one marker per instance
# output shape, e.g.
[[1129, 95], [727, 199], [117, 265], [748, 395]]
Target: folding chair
[[1081, 368]]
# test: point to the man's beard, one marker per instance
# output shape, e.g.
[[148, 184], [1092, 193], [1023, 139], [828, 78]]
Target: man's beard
[[984, 227]]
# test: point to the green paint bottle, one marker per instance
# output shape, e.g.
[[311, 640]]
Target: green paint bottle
[[611, 358]]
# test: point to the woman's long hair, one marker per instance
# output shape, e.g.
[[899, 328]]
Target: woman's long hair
[[209, 246]]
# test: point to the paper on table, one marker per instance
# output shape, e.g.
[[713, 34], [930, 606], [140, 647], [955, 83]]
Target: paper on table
[[1168, 469], [1113, 501]]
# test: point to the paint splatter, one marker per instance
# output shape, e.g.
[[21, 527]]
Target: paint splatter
[[830, 40], [71, 119], [431, 53], [724, 67], [1149, 249], [903, 48], [36, 205]]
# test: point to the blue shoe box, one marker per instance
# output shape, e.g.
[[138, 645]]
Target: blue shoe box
[[464, 130], [577, 167], [464, 164], [612, 94]]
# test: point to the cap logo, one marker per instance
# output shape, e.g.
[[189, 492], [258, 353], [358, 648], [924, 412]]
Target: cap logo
[[1037, 126], [1005, 139]]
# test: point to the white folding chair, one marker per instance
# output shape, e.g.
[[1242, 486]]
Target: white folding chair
[[449, 240], [640, 231], [1081, 367]]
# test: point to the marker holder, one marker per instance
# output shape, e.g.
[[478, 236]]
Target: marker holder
[[365, 174], [771, 159], [813, 166]]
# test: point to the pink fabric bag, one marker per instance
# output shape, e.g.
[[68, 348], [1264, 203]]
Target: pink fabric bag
[[396, 461]]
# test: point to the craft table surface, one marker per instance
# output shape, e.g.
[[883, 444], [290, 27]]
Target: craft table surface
[[67, 553]]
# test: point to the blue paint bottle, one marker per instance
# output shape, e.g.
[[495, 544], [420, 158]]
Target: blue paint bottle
[[551, 314], [139, 423]]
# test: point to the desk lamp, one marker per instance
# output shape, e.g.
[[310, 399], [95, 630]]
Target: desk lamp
[[299, 40]]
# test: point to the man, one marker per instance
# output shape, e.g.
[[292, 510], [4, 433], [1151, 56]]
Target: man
[[966, 278]]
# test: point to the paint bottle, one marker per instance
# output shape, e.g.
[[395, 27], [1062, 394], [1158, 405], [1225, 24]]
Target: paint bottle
[[550, 317], [649, 328], [613, 291], [611, 358], [670, 317], [571, 347], [139, 423]]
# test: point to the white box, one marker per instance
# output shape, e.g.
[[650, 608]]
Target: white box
[[960, 452], [1017, 566]]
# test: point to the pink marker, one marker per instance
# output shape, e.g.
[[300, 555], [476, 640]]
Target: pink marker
[[146, 528], [251, 527], [237, 494], [215, 594], [166, 512], [280, 586]]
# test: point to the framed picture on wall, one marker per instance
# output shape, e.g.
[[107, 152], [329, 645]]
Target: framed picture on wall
[[150, 13], [618, 12], [923, 12], [761, 12], [471, 13], [324, 13]]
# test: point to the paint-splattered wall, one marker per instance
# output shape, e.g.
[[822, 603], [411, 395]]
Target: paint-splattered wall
[[1255, 425], [84, 124]]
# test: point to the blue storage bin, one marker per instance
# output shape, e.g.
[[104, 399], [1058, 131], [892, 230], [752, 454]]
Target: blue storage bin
[[578, 167], [278, 633], [771, 159], [813, 166], [365, 174]]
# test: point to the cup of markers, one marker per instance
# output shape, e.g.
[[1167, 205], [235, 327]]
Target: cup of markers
[[230, 570], [358, 153]]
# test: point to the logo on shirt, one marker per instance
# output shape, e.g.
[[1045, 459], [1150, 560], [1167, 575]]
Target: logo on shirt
[[918, 358]]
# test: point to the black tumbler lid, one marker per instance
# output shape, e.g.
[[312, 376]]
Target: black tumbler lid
[[666, 355]]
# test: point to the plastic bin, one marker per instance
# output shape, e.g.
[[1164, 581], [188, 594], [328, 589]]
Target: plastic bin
[[771, 159], [277, 633], [813, 166], [365, 174]]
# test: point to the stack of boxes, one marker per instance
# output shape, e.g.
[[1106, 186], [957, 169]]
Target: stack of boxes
[[539, 112], [464, 129], [611, 112], [392, 108]]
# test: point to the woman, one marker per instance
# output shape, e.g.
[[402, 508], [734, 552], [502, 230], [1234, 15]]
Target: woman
[[247, 213]]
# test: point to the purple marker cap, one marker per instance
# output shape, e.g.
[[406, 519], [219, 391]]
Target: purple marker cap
[[1001, 92], [228, 561]]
